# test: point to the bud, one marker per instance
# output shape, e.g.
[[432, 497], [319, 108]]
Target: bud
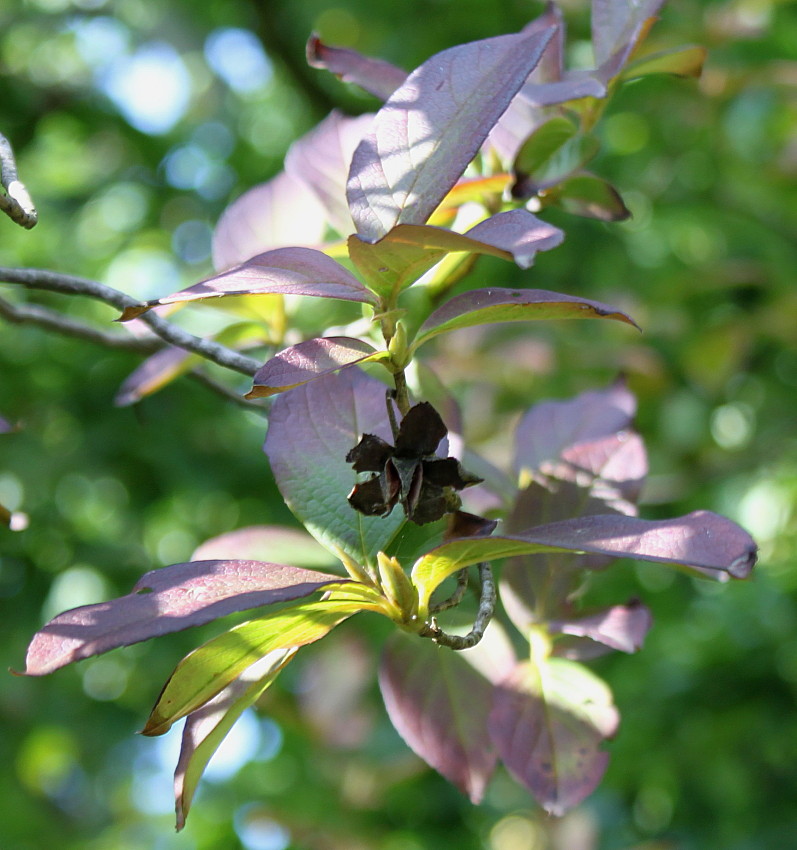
[[397, 587], [398, 347]]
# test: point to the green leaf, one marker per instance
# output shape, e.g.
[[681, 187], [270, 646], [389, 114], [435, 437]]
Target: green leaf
[[204, 672], [207, 727], [486, 306], [543, 143], [571, 157], [589, 196], [680, 61]]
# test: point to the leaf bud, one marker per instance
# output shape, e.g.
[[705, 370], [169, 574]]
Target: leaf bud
[[397, 587]]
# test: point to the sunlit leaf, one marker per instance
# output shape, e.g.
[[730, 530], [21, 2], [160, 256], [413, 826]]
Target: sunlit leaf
[[207, 727], [284, 271], [548, 721], [211, 667], [267, 542], [375, 76], [702, 542], [321, 160], [281, 212], [680, 61], [168, 600], [309, 361], [618, 27], [311, 430], [439, 704], [487, 306], [431, 128]]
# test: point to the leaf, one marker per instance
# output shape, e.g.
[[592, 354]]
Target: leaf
[[680, 61], [309, 361], [399, 259], [272, 542], [549, 428], [621, 627], [487, 306], [702, 541], [565, 161], [284, 271], [618, 27], [548, 721], [543, 143], [375, 76], [168, 600], [311, 430], [321, 160], [211, 667], [432, 126], [207, 727], [439, 705], [154, 374], [281, 212], [589, 196]]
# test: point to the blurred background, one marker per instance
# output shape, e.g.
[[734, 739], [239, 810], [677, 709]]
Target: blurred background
[[135, 123]]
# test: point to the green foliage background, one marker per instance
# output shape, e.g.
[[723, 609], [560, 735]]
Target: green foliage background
[[706, 752]]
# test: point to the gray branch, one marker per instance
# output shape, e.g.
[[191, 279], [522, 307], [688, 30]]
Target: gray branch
[[32, 314], [16, 203], [483, 616], [70, 285]]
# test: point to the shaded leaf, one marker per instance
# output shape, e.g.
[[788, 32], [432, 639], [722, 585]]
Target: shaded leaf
[[321, 160], [283, 211], [154, 373], [207, 727], [284, 271], [680, 61], [487, 306], [548, 721], [267, 542], [621, 627], [168, 600], [309, 361], [543, 143], [311, 430], [375, 76], [589, 196], [551, 427], [432, 126], [211, 667], [702, 541], [566, 160], [439, 705]]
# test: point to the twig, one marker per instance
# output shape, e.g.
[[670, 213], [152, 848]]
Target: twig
[[16, 203], [226, 393], [483, 616], [32, 314], [70, 285], [456, 596]]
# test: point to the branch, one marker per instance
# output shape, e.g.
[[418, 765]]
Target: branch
[[52, 321], [70, 285], [17, 203], [456, 596], [226, 393], [483, 616]]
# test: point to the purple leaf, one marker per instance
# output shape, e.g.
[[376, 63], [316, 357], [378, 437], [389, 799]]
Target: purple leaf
[[281, 212], [168, 600], [548, 721], [518, 232], [439, 705], [154, 373], [266, 542], [375, 76], [431, 128], [621, 627], [618, 26], [486, 306], [207, 727], [284, 271], [551, 427], [321, 160], [308, 361], [311, 430]]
